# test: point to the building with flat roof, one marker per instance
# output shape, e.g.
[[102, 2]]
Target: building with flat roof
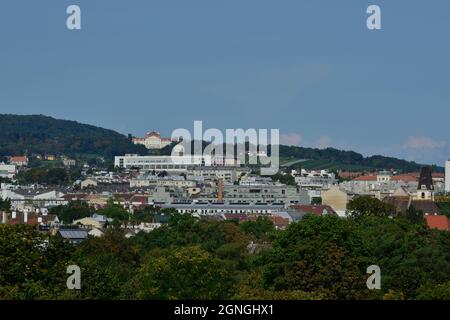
[[178, 164], [160, 163], [447, 176], [220, 208], [7, 170]]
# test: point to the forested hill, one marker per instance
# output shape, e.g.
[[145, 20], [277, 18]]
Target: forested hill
[[28, 134], [38, 134], [331, 158]]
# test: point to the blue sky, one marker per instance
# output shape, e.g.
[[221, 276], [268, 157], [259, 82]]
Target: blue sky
[[310, 68]]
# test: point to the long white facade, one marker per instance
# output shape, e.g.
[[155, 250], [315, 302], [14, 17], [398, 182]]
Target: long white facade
[[167, 163], [447, 176], [161, 163]]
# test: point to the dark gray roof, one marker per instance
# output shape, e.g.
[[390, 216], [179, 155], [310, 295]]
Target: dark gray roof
[[73, 234]]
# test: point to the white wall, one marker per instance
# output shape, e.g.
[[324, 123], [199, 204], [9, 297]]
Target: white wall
[[447, 176]]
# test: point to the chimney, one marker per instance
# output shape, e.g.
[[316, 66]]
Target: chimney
[[219, 191]]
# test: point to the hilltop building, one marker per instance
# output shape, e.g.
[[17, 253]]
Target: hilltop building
[[153, 140], [19, 161]]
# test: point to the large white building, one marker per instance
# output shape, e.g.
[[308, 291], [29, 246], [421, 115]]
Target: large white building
[[153, 140], [159, 163], [7, 170], [166, 163], [447, 176]]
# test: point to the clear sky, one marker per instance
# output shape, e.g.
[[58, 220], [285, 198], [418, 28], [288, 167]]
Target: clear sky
[[310, 68]]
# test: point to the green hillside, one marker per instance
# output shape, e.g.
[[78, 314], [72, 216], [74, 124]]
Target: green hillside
[[331, 158], [38, 134]]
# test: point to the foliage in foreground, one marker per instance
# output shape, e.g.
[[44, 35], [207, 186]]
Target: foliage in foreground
[[316, 258]]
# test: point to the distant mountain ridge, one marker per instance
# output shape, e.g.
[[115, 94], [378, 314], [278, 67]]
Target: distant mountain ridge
[[39, 134]]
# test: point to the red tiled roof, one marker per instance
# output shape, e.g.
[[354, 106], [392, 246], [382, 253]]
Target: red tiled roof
[[123, 196], [349, 174], [279, 221], [143, 199], [405, 177], [366, 178], [440, 222], [19, 159], [32, 219]]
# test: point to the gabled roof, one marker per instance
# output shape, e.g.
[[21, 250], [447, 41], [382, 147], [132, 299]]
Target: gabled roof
[[366, 178], [401, 203], [19, 159], [32, 219], [426, 206], [401, 192], [405, 177]]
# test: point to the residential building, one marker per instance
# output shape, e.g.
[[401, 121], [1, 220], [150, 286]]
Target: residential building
[[258, 194], [169, 181], [336, 199], [220, 208], [69, 162], [313, 178], [89, 182], [227, 174], [318, 210], [20, 161], [74, 236], [7, 170]]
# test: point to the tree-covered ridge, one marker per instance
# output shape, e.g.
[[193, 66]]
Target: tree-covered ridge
[[331, 158], [28, 134]]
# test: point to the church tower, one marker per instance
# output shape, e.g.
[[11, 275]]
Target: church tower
[[425, 189]]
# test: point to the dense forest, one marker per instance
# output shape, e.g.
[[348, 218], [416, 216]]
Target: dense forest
[[331, 158], [43, 135], [192, 258]]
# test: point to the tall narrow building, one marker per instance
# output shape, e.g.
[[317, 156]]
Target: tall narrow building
[[447, 176]]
